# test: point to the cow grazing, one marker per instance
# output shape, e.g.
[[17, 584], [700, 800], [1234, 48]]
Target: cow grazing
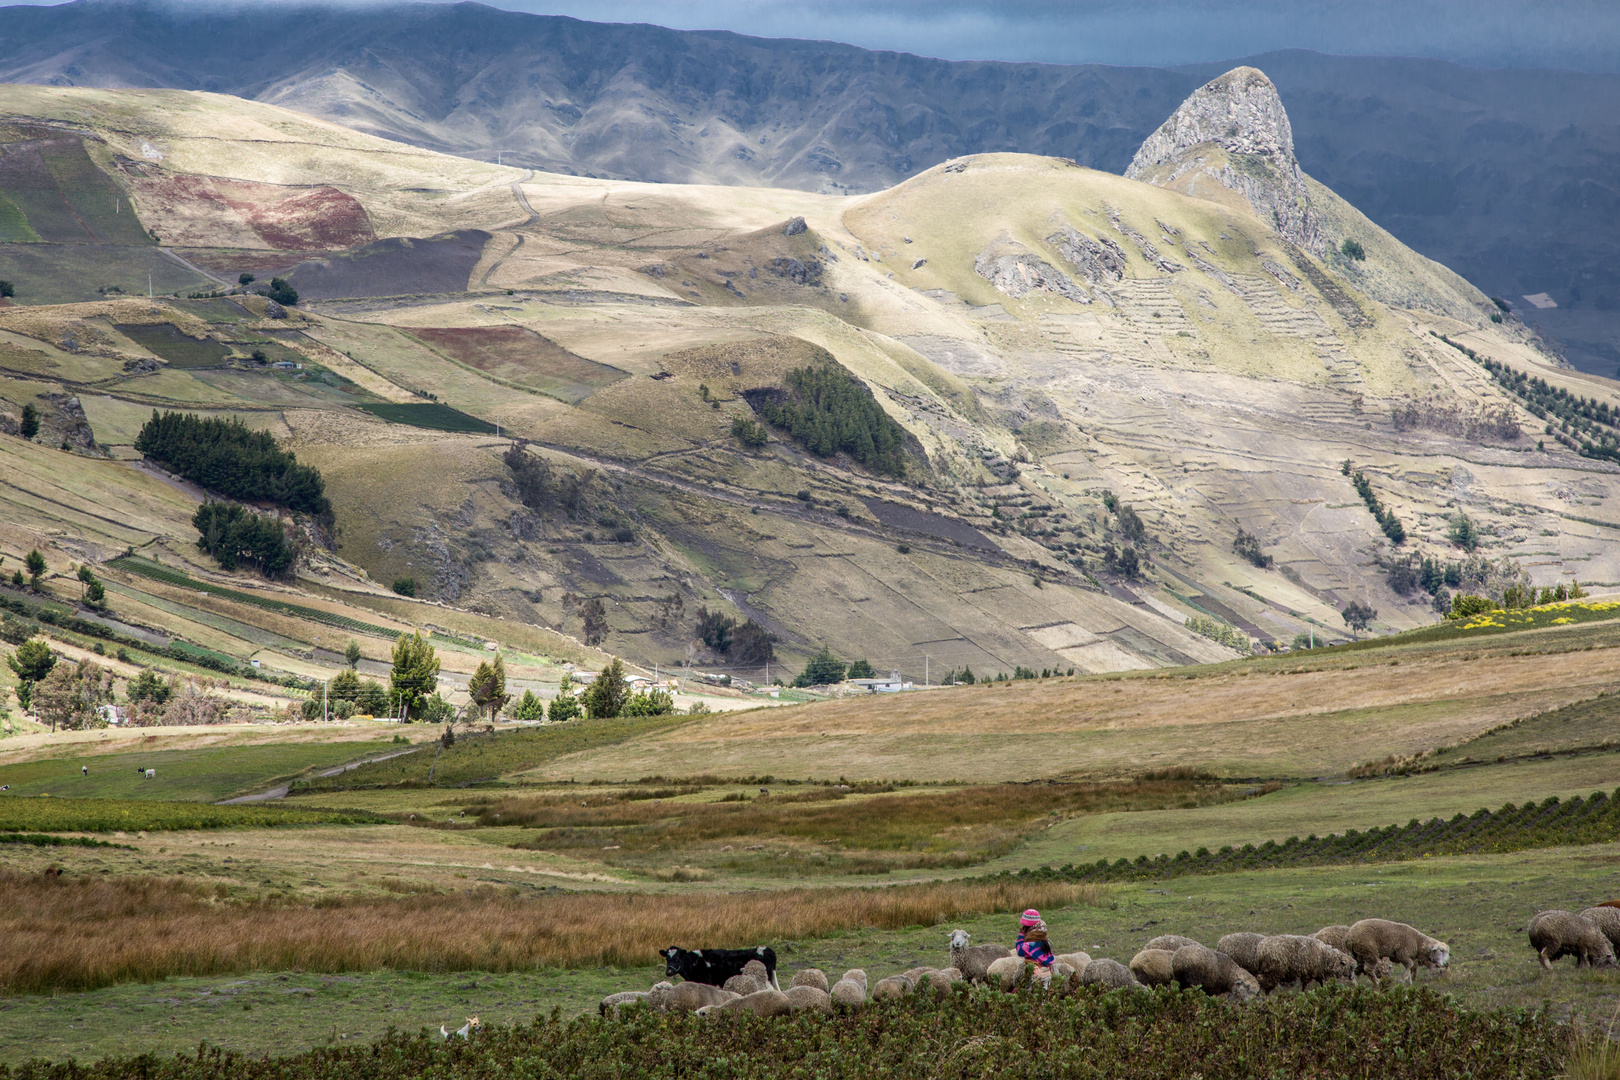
[[715, 966]]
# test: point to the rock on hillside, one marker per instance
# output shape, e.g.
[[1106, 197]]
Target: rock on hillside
[[1241, 114]]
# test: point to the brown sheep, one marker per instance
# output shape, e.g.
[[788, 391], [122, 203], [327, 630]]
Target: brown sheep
[[1372, 939], [1244, 948], [1290, 958], [1562, 933], [1171, 942], [1213, 972], [1336, 936], [1606, 917], [1154, 967], [762, 975], [811, 977], [1076, 960], [939, 979], [973, 961]]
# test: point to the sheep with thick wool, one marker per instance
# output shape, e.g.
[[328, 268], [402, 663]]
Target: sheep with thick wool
[[1170, 942], [890, 987], [743, 985], [1606, 917], [1244, 949], [1008, 973], [1555, 933], [811, 977], [612, 1005], [687, 997], [1289, 958], [849, 992], [1109, 973], [938, 981], [1371, 940], [803, 996], [1154, 967], [974, 961], [766, 1003], [1212, 972]]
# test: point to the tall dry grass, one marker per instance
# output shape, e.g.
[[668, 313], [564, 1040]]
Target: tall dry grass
[[83, 933]]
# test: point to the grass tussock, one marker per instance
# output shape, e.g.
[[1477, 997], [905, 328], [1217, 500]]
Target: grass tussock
[[852, 831], [80, 933]]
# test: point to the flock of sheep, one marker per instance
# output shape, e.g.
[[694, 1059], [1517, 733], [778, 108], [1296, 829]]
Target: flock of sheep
[[1239, 967]]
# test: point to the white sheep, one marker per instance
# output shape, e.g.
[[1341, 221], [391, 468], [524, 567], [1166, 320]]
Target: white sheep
[[973, 961], [1373, 939], [850, 991], [894, 986], [1243, 948], [1606, 917], [613, 1004], [805, 996], [1154, 967], [1109, 973], [1290, 958], [811, 977], [1008, 973], [767, 1003], [1562, 933]]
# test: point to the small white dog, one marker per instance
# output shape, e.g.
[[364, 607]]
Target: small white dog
[[466, 1031]]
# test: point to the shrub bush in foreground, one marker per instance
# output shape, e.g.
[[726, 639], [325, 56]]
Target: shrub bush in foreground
[[1401, 1034]]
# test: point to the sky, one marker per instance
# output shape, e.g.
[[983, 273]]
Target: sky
[[1574, 34]]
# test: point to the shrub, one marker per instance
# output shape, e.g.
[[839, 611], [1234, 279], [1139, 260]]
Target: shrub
[[749, 432], [405, 586], [649, 703], [1248, 546], [1352, 249], [282, 292], [529, 708], [1463, 532], [1466, 606], [1217, 631]]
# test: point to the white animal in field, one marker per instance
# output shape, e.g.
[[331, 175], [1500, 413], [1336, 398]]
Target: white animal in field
[[465, 1031]]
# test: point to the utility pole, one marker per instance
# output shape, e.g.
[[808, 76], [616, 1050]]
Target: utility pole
[[925, 671], [326, 716]]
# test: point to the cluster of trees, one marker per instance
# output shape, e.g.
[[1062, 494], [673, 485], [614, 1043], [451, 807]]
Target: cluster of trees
[[1247, 545], [751, 433], [824, 669], [1385, 517], [544, 489], [34, 562], [747, 644], [91, 591], [227, 457], [1589, 426], [236, 536], [282, 292], [1217, 631], [1467, 605], [414, 678], [829, 411], [70, 694]]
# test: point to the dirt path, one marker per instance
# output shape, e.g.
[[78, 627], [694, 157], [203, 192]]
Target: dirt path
[[194, 268], [280, 792]]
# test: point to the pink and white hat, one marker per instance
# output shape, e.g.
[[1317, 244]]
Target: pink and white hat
[[1031, 918]]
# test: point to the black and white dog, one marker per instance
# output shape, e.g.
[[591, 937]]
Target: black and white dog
[[715, 966]]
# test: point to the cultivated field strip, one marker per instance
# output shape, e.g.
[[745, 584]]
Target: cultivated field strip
[[1278, 315]]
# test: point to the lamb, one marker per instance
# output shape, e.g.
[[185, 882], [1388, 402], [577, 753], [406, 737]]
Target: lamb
[[894, 986], [743, 985], [1213, 972], [1373, 939], [973, 961], [1172, 942], [1562, 933], [1287, 958], [613, 1004], [687, 997], [811, 977], [1109, 973], [850, 991], [1606, 917], [1152, 967], [766, 1003], [804, 996], [1244, 948], [1008, 973]]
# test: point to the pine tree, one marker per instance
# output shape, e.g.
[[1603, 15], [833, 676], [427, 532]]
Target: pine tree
[[488, 687], [605, 697], [416, 672]]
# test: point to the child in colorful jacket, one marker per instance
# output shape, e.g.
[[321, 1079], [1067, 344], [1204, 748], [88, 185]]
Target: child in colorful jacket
[[1032, 943]]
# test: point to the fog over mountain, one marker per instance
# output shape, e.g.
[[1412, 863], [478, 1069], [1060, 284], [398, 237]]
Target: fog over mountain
[[1511, 177]]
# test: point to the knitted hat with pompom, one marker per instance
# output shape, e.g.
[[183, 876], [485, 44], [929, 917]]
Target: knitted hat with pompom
[[1031, 918]]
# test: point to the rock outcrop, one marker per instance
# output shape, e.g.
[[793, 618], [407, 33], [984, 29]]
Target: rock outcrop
[[1015, 270], [1234, 131]]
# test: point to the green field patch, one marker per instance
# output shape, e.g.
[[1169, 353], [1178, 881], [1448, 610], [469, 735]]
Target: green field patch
[[481, 758], [518, 355], [120, 815], [146, 568], [204, 775], [14, 227], [45, 840], [174, 345], [71, 273], [1554, 823], [219, 311], [430, 415]]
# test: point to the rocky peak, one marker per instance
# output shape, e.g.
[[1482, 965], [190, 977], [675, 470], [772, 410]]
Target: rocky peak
[[1234, 130]]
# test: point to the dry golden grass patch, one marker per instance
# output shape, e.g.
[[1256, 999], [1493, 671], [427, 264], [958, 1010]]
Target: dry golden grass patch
[[81, 933]]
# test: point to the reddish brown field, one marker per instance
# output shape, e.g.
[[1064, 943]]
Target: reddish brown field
[[200, 211], [78, 933]]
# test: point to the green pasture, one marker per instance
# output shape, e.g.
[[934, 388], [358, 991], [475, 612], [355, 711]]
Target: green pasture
[[202, 775], [129, 815]]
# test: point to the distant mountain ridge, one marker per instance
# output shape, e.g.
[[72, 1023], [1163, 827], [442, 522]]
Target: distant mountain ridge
[[1512, 178]]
